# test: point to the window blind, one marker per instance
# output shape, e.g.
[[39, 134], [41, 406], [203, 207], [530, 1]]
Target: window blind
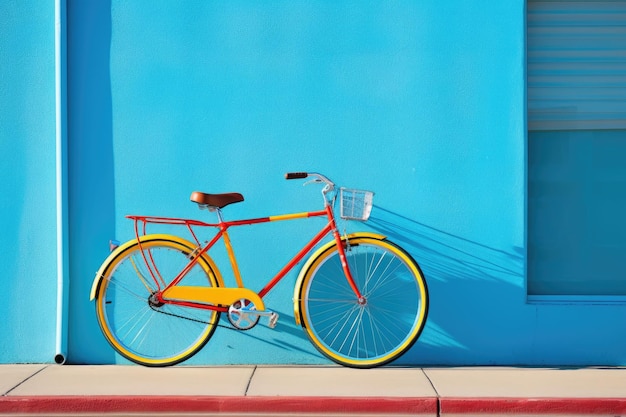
[[576, 64]]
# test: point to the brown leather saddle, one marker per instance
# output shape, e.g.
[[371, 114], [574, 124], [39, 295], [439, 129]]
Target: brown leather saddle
[[216, 200]]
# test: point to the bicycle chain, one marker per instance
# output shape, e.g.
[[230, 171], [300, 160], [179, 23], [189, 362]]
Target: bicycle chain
[[191, 319]]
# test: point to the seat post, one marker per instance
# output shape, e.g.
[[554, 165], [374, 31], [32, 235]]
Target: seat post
[[218, 212]]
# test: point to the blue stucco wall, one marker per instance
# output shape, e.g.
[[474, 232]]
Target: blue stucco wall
[[422, 102], [27, 189]]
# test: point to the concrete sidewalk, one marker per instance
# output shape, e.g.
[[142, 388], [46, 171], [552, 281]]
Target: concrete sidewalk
[[296, 390]]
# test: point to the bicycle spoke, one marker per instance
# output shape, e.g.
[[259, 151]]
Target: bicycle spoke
[[344, 321], [384, 276], [333, 300], [142, 332], [127, 290], [141, 277], [355, 323]]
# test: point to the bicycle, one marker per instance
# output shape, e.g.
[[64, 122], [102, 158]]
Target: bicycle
[[361, 299]]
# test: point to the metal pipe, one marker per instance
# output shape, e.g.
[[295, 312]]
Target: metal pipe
[[60, 42]]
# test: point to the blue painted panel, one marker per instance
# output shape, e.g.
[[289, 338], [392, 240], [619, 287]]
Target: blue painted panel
[[27, 205], [576, 204]]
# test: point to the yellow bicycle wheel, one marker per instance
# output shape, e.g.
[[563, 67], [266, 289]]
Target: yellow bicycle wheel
[[377, 329], [139, 327]]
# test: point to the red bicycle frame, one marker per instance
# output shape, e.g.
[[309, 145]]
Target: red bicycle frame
[[222, 233]]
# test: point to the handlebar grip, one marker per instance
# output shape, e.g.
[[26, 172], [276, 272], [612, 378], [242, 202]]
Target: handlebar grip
[[295, 175]]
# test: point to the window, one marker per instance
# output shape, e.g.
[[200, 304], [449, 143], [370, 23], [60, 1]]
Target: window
[[576, 147]]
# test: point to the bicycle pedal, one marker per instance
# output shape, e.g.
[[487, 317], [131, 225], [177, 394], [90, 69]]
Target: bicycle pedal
[[273, 319]]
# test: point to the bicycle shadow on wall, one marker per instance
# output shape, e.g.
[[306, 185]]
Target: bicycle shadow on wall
[[91, 169], [462, 275], [468, 282]]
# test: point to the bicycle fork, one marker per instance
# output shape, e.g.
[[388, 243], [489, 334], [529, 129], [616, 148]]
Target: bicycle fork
[[343, 257]]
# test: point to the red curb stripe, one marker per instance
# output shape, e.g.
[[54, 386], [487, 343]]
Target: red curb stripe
[[187, 404], [554, 406]]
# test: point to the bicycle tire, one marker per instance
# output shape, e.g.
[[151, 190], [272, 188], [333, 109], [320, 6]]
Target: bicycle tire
[[140, 329], [386, 325]]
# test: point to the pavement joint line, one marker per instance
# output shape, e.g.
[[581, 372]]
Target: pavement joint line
[[430, 382], [245, 394], [438, 404], [24, 380]]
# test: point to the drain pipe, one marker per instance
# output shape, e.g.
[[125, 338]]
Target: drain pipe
[[60, 78]]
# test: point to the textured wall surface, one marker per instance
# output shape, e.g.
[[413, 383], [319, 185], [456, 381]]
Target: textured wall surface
[[27, 188], [421, 102]]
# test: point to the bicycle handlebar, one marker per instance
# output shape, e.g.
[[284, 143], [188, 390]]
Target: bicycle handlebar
[[295, 175], [317, 178]]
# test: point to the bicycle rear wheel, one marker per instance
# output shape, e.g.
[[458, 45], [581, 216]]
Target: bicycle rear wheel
[[134, 322], [378, 329]]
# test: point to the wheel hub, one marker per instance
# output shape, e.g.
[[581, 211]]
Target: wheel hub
[[154, 302]]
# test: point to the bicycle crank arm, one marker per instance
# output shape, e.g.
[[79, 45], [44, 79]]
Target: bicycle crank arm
[[271, 315], [214, 296], [243, 315]]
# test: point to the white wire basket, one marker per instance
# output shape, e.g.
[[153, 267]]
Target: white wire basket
[[355, 204]]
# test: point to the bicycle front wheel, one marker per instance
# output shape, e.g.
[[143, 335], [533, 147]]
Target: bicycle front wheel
[[139, 327], [377, 329]]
